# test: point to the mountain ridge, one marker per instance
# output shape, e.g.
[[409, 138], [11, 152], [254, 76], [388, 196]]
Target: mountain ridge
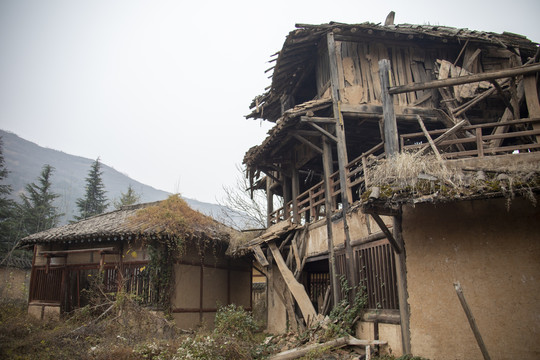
[[25, 159]]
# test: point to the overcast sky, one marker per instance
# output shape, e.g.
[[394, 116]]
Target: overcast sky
[[158, 89]]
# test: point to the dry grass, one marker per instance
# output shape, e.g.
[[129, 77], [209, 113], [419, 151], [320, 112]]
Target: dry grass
[[409, 178]]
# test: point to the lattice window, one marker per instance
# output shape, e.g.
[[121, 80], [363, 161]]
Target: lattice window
[[377, 273]]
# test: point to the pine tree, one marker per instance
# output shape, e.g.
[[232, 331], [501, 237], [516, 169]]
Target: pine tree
[[130, 197], [37, 212], [95, 201], [7, 208]]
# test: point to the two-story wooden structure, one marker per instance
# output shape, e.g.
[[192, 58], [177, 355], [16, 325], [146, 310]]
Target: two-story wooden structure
[[350, 100]]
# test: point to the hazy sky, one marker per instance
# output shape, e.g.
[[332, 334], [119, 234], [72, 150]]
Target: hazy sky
[[158, 89]]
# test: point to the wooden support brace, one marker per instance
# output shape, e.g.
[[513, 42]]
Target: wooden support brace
[[324, 132], [308, 143], [472, 321], [387, 233]]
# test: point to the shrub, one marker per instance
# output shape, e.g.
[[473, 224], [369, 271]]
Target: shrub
[[234, 321]]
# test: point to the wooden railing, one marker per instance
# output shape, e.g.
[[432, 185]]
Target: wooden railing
[[478, 141], [311, 203], [482, 139]]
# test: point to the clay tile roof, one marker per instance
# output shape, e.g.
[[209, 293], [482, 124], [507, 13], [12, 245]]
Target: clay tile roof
[[113, 226]]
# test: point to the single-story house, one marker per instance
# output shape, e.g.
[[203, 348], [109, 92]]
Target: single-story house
[[184, 266]]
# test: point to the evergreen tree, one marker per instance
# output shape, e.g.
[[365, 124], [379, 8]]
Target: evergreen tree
[[7, 208], [37, 212], [130, 197], [95, 201]]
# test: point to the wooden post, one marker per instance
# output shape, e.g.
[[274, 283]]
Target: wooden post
[[472, 321], [327, 166], [401, 275], [286, 186], [269, 201], [391, 143], [342, 160], [295, 192]]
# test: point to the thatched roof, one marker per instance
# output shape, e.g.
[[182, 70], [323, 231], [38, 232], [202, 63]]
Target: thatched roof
[[120, 225], [301, 46]]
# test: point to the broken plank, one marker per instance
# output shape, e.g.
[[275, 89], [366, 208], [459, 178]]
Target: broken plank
[[430, 140], [445, 135], [259, 255], [295, 253], [304, 350], [298, 291]]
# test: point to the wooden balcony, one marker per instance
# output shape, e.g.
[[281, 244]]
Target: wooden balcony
[[474, 141]]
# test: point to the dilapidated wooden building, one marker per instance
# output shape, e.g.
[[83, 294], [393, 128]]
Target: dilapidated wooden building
[[120, 248], [404, 158]]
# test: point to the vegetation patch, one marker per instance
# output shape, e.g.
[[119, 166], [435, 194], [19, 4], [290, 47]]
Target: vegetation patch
[[406, 178]]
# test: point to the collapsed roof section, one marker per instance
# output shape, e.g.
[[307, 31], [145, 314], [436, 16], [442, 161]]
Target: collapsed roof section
[[297, 59]]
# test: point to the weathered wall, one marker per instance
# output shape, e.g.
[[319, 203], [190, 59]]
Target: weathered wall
[[14, 283], [493, 252], [277, 314], [360, 227], [224, 281], [387, 332]]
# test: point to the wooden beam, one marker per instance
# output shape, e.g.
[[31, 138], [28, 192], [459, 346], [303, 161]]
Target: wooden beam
[[519, 70], [296, 289], [387, 233], [76, 251], [472, 321], [318, 120]]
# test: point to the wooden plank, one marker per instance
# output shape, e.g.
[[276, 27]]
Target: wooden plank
[[472, 321], [391, 144], [408, 74], [296, 289], [486, 76], [531, 98], [259, 255]]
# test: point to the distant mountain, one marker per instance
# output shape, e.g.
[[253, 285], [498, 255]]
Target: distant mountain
[[24, 160]]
